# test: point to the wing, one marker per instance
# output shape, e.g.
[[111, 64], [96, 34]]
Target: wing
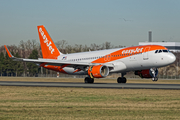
[[54, 62]]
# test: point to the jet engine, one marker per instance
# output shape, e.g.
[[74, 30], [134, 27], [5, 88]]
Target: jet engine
[[149, 73], [98, 71]]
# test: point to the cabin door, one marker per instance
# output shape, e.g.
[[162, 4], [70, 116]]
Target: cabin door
[[145, 53]]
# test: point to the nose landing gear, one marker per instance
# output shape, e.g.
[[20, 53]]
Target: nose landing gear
[[154, 72], [155, 79]]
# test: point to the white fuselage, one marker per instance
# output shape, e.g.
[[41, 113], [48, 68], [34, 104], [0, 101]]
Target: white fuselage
[[129, 62]]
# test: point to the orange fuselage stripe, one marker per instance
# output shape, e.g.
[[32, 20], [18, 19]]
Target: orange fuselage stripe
[[126, 52]]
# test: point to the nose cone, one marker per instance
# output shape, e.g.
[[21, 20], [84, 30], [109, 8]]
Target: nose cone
[[172, 58]]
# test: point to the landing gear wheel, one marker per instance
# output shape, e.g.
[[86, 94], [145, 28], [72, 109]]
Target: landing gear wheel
[[124, 80], [155, 79], [88, 80], [91, 80], [121, 80]]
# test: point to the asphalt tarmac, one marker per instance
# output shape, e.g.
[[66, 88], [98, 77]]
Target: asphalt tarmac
[[94, 85]]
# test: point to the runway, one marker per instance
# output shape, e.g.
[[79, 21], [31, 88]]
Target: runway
[[94, 85]]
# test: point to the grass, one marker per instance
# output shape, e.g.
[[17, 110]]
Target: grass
[[19, 103]]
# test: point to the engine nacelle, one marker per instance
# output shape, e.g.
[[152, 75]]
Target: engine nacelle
[[98, 71], [149, 73]]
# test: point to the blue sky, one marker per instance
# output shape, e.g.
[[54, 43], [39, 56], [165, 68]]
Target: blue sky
[[121, 22]]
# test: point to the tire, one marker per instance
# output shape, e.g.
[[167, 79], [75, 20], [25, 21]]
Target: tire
[[91, 80], [124, 80], [119, 80], [155, 79], [88, 80]]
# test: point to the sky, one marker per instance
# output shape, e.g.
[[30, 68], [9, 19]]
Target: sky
[[121, 22]]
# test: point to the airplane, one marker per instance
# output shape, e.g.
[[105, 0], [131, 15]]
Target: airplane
[[143, 60]]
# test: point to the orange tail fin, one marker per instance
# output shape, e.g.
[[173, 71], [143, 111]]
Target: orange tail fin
[[49, 49]]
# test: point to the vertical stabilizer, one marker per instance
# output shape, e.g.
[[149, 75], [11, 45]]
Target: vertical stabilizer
[[49, 49]]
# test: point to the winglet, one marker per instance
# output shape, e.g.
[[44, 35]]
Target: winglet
[[7, 50]]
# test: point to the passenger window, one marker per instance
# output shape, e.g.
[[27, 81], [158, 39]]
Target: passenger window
[[156, 51]]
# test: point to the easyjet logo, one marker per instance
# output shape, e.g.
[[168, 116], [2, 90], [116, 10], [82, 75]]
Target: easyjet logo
[[132, 50], [46, 41]]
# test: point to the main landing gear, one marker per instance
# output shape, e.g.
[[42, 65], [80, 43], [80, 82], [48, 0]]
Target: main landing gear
[[88, 80], [121, 79]]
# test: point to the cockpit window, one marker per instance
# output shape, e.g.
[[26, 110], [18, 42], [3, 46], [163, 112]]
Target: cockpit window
[[160, 51], [156, 51], [165, 51]]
